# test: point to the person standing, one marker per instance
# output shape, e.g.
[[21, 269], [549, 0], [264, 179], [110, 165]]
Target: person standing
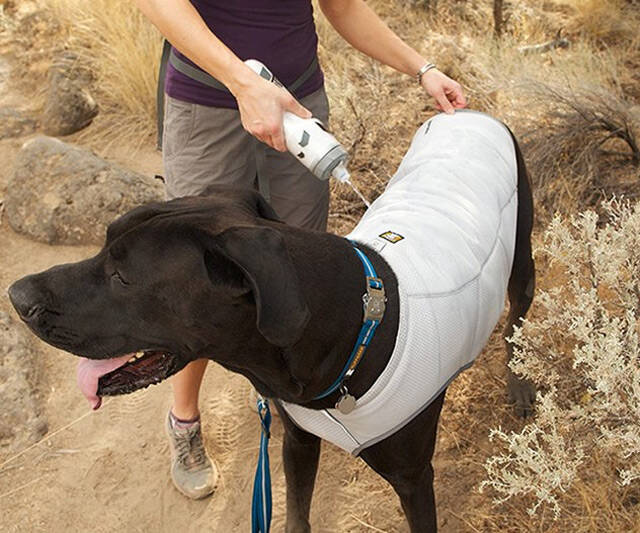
[[223, 125]]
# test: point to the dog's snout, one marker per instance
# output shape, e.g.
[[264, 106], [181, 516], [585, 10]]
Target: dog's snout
[[26, 298]]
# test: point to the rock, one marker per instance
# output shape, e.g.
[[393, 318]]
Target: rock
[[13, 123], [69, 106], [61, 194], [21, 419]]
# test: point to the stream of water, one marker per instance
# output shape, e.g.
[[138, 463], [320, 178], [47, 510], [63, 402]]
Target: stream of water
[[357, 191]]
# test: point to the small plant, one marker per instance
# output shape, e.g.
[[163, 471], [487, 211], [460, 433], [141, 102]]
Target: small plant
[[582, 350], [587, 132]]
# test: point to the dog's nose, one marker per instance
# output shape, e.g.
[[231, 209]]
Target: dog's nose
[[26, 298]]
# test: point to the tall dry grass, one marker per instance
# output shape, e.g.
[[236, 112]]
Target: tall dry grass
[[602, 21], [122, 49], [587, 149]]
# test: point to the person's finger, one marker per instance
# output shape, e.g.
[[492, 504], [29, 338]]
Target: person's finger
[[277, 139], [457, 97], [443, 101]]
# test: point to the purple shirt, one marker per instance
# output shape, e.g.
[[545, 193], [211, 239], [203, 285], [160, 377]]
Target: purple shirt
[[280, 33]]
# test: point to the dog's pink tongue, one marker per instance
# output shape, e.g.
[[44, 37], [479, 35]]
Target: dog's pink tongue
[[90, 371]]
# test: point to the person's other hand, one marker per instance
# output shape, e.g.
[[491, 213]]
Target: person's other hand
[[446, 92], [262, 105]]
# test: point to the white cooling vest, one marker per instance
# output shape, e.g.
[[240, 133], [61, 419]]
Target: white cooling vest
[[446, 225]]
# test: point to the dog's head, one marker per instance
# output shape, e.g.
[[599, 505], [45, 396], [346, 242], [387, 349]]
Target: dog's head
[[174, 282]]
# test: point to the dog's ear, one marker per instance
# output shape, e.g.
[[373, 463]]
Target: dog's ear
[[261, 255], [250, 199], [131, 219]]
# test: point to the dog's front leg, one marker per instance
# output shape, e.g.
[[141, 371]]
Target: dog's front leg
[[300, 454], [404, 460]]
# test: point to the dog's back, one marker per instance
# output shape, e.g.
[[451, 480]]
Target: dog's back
[[446, 225]]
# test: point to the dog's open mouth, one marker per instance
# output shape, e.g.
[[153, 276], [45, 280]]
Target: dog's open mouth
[[124, 374]]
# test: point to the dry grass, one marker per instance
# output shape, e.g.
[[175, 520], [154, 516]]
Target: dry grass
[[588, 142], [603, 21], [123, 50]]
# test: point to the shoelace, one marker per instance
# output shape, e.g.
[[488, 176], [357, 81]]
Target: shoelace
[[189, 448]]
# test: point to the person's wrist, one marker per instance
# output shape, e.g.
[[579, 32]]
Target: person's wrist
[[427, 67], [240, 78]]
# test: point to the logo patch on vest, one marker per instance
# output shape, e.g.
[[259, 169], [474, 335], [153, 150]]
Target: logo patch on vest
[[391, 236]]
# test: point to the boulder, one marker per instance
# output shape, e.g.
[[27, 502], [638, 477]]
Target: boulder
[[21, 419], [62, 194], [69, 106], [14, 123]]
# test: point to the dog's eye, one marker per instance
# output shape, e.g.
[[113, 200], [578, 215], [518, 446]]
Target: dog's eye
[[118, 277]]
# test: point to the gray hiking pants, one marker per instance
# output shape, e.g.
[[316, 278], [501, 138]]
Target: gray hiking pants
[[205, 146]]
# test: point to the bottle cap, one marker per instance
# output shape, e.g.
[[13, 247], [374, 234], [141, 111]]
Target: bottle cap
[[335, 157]]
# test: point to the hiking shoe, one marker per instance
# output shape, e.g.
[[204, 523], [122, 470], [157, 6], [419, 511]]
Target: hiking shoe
[[192, 471]]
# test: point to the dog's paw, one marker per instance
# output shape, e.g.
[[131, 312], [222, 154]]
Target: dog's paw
[[522, 393]]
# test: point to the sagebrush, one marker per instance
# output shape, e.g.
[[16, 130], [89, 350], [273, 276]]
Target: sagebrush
[[582, 350]]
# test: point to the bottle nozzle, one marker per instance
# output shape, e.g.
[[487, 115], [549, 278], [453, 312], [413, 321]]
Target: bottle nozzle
[[340, 172]]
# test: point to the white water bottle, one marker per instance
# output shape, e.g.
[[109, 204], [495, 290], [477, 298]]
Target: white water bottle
[[308, 140]]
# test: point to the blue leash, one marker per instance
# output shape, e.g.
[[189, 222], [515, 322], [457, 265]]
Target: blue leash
[[261, 506], [373, 311]]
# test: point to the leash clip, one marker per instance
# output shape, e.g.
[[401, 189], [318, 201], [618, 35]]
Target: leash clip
[[265, 415], [374, 300]]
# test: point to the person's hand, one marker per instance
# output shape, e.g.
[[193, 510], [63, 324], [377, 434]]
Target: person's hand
[[446, 92], [262, 105]]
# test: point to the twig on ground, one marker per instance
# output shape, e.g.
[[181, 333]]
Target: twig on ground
[[21, 487], [557, 42], [47, 437], [369, 526], [344, 216], [361, 127], [466, 522]]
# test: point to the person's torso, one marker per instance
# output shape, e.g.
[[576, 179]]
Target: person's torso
[[279, 33]]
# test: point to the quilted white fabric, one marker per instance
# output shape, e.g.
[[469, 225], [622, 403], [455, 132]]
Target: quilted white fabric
[[453, 202]]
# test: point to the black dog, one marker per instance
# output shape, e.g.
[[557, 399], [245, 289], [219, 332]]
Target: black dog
[[220, 277]]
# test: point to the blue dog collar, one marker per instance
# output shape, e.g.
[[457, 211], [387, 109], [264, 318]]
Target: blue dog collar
[[373, 306]]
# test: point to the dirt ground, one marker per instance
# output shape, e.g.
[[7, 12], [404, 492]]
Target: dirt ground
[[109, 470]]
